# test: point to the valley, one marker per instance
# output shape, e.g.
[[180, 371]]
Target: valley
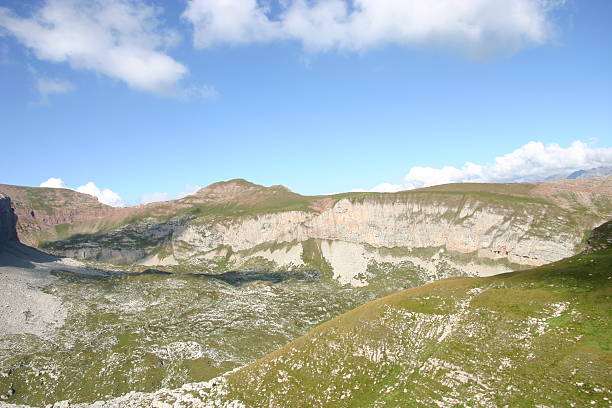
[[185, 302]]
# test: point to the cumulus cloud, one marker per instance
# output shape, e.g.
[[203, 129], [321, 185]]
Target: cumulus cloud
[[532, 162], [189, 189], [230, 21], [387, 188], [54, 183], [105, 196], [475, 27], [122, 39]]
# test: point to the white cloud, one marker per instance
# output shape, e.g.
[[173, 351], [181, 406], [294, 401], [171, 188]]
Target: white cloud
[[122, 39], [202, 92], [230, 21], [387, 188], [48, 86], [105, 196], [532, 162], [155, 197], [109, 197], [476, 27], [54, 183], [188, 190]]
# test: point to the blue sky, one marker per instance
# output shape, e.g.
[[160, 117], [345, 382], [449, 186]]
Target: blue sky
[[206, 93]]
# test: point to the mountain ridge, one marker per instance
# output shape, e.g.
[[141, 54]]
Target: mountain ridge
[[29, 200], [351, 237], [168, 325]]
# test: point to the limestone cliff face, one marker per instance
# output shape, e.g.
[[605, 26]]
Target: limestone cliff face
[[8, 221], [457, 225], [356, 236], [461, 229]]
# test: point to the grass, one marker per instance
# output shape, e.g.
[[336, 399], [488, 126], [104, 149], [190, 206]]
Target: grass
[[506, 194], [502, 340], [547, 328]]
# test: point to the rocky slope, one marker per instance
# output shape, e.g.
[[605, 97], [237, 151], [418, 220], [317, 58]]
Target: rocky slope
[[44, 213], [462, 229], [74, 332], [532, 338]]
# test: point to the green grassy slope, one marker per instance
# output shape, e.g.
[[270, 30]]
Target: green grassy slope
[[535, 338]]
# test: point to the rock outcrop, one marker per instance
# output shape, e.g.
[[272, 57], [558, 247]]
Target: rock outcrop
[[8, 221], [600, 239]]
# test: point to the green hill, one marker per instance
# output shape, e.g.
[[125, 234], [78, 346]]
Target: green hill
[[534, 338]]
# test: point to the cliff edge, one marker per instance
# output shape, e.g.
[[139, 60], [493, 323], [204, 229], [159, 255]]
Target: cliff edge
[[8, 221]]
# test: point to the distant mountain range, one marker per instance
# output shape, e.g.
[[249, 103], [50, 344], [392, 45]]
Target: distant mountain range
[[592, 173], [603, 171]]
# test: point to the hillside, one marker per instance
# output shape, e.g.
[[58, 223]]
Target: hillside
[[43, 214], [534, 338], [84, 332], [354, 238]]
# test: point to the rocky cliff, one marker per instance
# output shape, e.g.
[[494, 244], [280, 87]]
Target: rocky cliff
[[8, 221], [463, 229]]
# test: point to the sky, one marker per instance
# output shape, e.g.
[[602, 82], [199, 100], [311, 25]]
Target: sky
[[135, 101]]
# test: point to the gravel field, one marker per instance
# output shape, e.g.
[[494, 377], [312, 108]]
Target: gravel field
[[24, 306]]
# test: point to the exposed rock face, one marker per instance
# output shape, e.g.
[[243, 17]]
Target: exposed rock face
[[353, 231], [8, 221], [492, 227], [497, 342], [601, 238], [409, 224]]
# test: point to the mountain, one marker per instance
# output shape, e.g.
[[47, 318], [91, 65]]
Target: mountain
[[354, 238], [533, 338], [267, 266], [72, 331], [43, 213], [596, 172]]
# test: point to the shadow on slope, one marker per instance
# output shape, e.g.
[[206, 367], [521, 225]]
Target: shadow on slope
[[241, 278], [18, 255]]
